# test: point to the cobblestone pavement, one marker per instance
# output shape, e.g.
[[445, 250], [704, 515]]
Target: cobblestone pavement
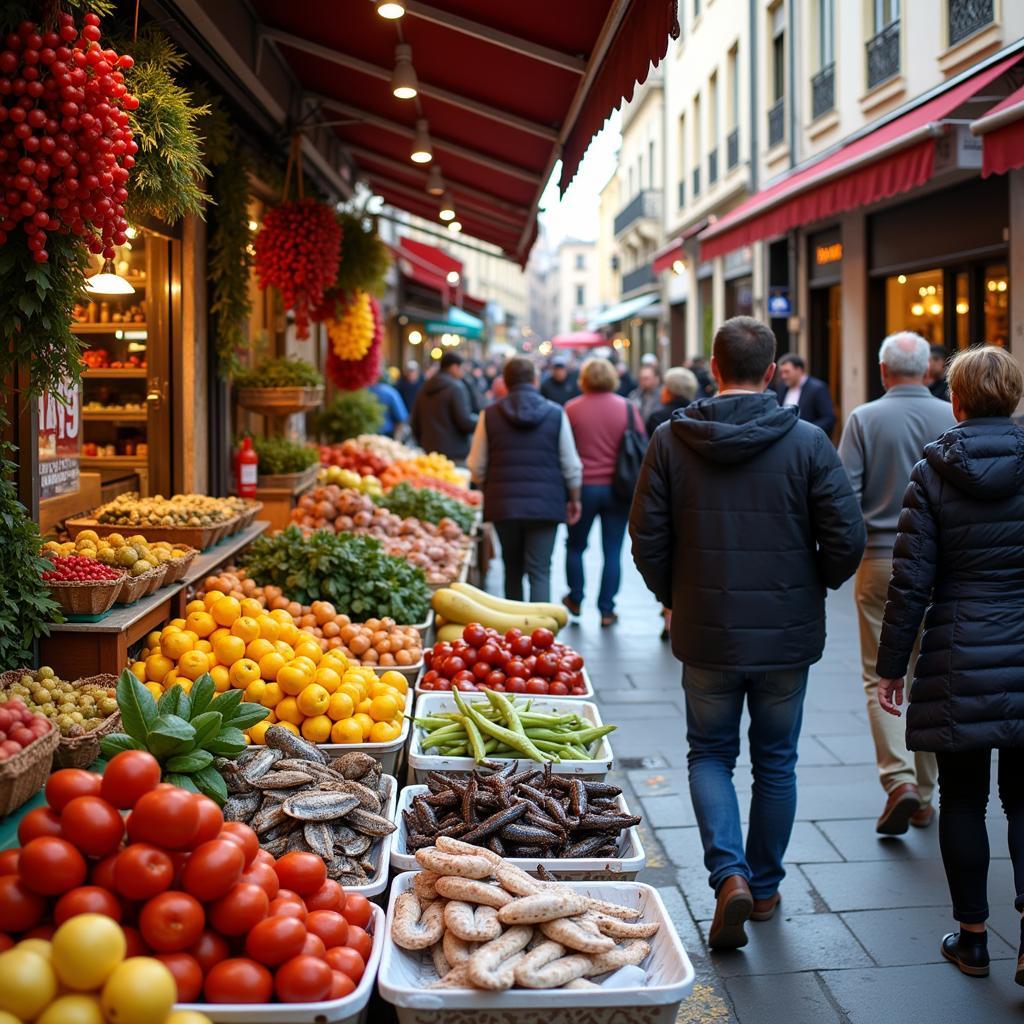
[[857, 937]]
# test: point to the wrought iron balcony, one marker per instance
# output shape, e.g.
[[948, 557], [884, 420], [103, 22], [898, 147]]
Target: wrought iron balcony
[[712, 167], [777, 123], [696, 182], [884, 55], [645, 205], [682, 192], [642, 275], [732, 149], [968, 16], [823, 91]]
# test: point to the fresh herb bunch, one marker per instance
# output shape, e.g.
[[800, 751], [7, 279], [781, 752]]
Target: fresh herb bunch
[[280, 455], [280, 373], [429, 505], [352, 572], [184, 731], [350, 414], [364, 257], [26, 607]]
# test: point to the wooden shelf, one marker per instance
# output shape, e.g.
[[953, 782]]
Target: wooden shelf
[[115, 461], [102, 373], [107, 328], [115, 415]]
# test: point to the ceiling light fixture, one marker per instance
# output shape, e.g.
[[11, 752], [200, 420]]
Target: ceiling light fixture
[[454, 227], [452, 277], [435, 183], [447, 211], [422, 151], [404, 84], [106, 282], [390, 9]]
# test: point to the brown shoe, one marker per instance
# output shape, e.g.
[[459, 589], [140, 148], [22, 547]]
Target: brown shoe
[[731, 913], [924, 817], [764, 910], [904, 801]]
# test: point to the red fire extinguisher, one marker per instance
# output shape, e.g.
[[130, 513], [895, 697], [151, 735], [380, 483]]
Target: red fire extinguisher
[[246, 471]]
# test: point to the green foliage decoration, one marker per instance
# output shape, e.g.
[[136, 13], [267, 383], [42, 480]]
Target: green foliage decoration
[[350, 414], [281, 455], [282, 372], [364, 257]]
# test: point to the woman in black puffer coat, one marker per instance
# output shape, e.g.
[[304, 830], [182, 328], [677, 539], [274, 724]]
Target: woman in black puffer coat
[[959, 562]]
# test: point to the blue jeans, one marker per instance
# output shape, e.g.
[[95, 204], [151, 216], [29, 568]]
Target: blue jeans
[[597, 500], [714, 706]]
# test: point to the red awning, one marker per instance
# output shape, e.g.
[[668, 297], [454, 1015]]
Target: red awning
[[668, 255], [426, 264], [1002, 135], [892, 159], [506, 89], [579, 339]]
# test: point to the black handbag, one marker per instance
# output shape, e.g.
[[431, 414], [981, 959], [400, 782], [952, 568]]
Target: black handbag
[[629, 459]]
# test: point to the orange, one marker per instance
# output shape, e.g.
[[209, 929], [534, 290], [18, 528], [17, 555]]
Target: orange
[[306, 649], [193, 664], [155, 689], [340, 706], [205, 646], [281, 615], [229, 649], [251, 607], [177, 623], [194, 606], [395, 680], [246, 627], [271, 664], [138, 669], [327, 678], [157, 667], [272, 695], [286, 649], [152, 639], [271, 718], [258, 731], [335, 660], [353, 693], [170, 679], [290, 726], [384, 732], [211, 597], [243, 672], [201, 623], [317, 729], [307, 663], [313, 700], [363, 707], [383, 709], [365, 724], [226, 610], [185, 684], [174, 645], [269, 629], [255, 690], [288, 711], [290, 633], [258, 648], [347, 730], [293, 679], [218, 633], [221, 678]]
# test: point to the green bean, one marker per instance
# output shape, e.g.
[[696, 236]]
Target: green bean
[[502, 704], [476, 742], [513, 739]]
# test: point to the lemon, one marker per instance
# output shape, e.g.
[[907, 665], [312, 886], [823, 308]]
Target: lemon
[[27, 983], [317, 729], [86, 949], [139, 991], [75, 1009], [258, 732]]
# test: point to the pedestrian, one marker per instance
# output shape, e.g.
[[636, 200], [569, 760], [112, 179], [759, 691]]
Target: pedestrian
[[936, 379], [442, 420], [409, 384], [395, 412], [677, 392], [742, 517], [959, 564], [472, 382], [881, 443], [559, 385], [647, 393], [626, 384], [525, 461], [705, 382], [810, 395], [599, 419]]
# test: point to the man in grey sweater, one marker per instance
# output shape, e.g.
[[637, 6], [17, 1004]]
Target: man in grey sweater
[[881, 443]]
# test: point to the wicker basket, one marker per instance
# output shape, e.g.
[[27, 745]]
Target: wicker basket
[[86, 597], [280, 401], [199, 537], [134, 587], [178, 567], [158, 578], [24, 774]]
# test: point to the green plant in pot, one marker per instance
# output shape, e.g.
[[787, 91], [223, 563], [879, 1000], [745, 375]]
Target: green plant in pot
[[282, 372], [350, 414], [279, 455]]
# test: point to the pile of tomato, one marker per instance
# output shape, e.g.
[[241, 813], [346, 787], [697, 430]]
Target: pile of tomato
[[231, 923], [514, 662]]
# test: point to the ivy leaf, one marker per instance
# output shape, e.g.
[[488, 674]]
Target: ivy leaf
[[138, 709]]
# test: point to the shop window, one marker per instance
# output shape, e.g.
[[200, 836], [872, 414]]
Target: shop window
[[997, 304], [963, 309], [914, 302], [739, 297]]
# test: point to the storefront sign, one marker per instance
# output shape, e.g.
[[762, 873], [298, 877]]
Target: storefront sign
[[60, 425], [778, 302], [824, 254]]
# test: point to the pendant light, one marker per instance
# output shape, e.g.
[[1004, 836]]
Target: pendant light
[[390, 9], [404, 84], [106, 282], [447, 211], [422, 151], [435, 183], [454, 226]]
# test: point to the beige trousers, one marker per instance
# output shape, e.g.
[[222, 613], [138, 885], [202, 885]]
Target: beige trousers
[[896, 764]]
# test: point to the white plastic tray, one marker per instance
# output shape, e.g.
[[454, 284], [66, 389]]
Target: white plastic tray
[[426, 704], [587, 695], [629, 863], [379, 882], [411, 672], [405, 978], [386, 753], [351, 1009]]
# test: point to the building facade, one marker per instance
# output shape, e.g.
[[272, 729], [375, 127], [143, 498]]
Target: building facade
[[577, 288]]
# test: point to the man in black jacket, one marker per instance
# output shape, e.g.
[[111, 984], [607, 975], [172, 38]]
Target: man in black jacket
[[742, 516], [810, 395], [442, 419]]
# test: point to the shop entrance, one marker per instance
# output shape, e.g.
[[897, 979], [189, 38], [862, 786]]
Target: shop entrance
[[826, 342]]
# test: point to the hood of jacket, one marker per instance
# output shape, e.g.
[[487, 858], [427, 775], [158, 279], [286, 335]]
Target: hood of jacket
[[984, 458], [441, 381], [525, 407], [735, 428]]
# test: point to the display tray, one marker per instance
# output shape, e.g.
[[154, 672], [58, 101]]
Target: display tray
[[199, 537], [405, 978], [625, 867], [280, 401], [587, 695], [135, 587], [379, 882], [386, 753]]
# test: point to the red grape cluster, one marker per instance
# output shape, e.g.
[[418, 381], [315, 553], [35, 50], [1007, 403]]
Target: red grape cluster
[[352, 374], [19, 727], [297, 251], [78, 568], [65, 143]]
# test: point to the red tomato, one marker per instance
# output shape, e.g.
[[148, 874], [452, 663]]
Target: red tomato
[[62, 787], [210, 949], [142, 871], [451, 666], [347, 960], [313, 946], [521, 646], [238, 981], [469, 656], [515, 667], [213, 869], [211, 820], [171, 921], [495, 678], [41, 821], [87, 899], [512, 634], [475, 635], [41, 931], [239, 833], [515, 684], [330, 926], [263, 875], [303, 979], [359, 939], [556, 688], [133, 940], [303, 873], [286, 908], [481, 670], [547, 665], [164, 817], [536, 685], [262, 857], [241, 909], [93, 825], [9, 862], [571, 662], [464, 681], [188, 975], [128, 775], [102, 873], [20, 907], [542, 638], [357, 910], [487, 652], [329, 896], [276, 939], [341, 985], [50, 866]]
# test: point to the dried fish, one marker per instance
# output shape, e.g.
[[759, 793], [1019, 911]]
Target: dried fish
[[259, 765], [242, 806], [269, 815], [353, 765], [350, 842], [367, 797], [287, 744], [282, 780], [319, 837], [372, 824], [319, 806]]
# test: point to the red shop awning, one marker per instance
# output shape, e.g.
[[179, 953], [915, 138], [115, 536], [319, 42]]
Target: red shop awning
[[892, 159], [1002, 135], [506, 89], [668, 255], [427, 264], [579, 339]]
